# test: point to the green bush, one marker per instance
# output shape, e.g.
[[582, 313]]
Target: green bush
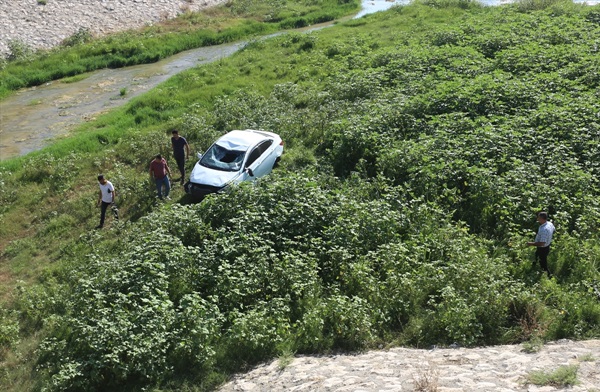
[[132, 332], [18, 51], [81, 36], [9, 330], [313, 286]]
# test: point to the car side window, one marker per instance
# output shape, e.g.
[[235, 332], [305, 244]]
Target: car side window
[[258, 151]]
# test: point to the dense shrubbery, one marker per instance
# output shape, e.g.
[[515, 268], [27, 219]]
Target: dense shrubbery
[[305, 264], [415, 164]]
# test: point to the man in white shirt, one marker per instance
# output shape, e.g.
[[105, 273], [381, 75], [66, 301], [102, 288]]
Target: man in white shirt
[[106, 198], [543, 239]]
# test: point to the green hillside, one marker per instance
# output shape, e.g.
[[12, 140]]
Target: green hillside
[[420, 143]]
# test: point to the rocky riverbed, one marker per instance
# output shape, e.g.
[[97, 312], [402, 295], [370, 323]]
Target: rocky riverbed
[[489, 369], [46, 23]]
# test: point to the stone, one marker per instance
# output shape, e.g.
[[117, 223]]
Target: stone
[[488, 369]]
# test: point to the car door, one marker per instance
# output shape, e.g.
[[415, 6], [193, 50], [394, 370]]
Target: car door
[[260, 160]]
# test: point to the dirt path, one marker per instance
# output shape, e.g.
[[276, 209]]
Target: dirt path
[[493, 369]]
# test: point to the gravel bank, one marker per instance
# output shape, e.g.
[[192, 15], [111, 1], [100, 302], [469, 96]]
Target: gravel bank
[[486, 369], [47, 25]]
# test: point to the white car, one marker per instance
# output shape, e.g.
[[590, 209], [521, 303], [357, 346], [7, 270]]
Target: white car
[[237, 156]]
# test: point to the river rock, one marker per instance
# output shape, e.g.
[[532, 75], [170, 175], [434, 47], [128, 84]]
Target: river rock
[[488, 369]]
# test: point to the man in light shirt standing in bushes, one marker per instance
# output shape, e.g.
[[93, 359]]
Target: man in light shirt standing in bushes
[[106, 197], [543, 239]]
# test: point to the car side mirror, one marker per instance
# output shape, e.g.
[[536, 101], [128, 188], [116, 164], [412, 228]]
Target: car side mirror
[[199, 155], [250, 172]]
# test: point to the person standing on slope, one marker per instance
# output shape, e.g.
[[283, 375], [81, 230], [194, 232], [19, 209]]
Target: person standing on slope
[[159, 173], [106, 198], [543, 239], [181, 152]]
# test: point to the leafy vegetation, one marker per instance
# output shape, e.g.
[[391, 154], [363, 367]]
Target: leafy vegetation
[[420, 142]]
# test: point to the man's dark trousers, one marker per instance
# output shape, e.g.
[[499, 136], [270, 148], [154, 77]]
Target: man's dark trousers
[[541, 254], [103, 208], [180, 159]]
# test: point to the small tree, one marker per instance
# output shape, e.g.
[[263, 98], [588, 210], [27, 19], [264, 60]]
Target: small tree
[[18, 50]]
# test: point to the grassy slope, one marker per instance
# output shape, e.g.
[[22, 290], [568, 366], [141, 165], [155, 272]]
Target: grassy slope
[[230, 22], [110, 128], [47, 200]]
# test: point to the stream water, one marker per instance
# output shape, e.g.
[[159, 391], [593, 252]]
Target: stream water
[[33, 117]]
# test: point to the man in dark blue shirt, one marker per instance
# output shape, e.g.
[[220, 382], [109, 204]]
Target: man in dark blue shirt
[[181, 152]]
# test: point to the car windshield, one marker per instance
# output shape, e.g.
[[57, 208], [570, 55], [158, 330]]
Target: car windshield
[[219, 158]]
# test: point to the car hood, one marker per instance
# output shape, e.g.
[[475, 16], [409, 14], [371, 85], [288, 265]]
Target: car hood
[[206, 176]]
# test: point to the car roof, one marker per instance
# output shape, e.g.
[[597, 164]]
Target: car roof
[[241, 140]]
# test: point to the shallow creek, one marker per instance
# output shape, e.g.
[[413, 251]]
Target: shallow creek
[[32, 118]]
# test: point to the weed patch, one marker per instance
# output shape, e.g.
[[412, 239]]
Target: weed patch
[[564, 376]]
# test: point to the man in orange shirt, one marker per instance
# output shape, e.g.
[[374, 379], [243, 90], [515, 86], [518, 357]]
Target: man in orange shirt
[[160, 172]]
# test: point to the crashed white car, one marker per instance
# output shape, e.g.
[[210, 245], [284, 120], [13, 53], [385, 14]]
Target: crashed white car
[[237, 156]]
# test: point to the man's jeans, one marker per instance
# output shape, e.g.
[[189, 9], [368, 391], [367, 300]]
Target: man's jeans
[[159, 185]]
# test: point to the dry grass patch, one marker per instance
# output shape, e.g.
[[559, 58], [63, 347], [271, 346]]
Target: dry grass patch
[[426, 380]]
